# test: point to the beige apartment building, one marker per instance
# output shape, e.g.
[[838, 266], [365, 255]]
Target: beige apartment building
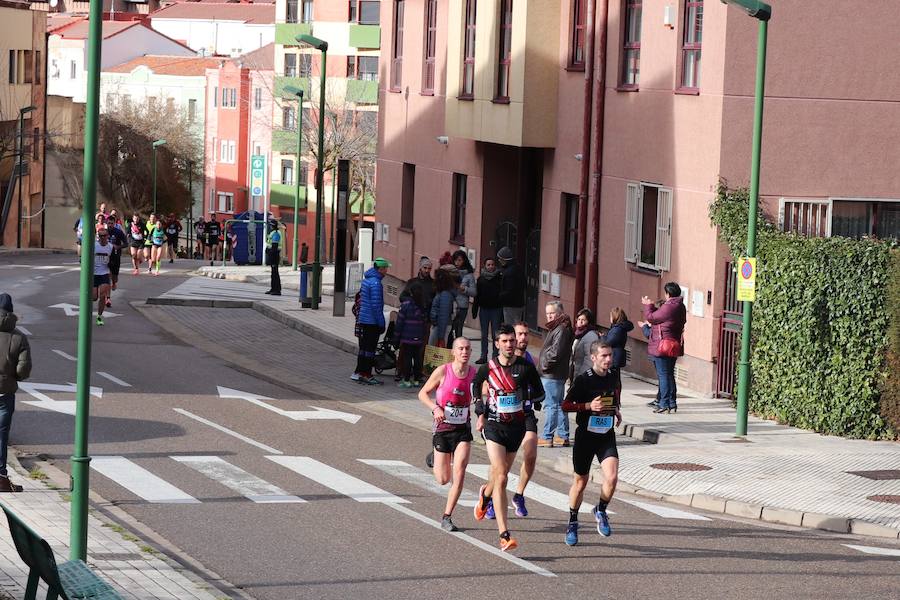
[[23, 56], [593, 147]]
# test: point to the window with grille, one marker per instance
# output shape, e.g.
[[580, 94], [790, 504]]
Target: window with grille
[[468, 74], [458, 234], [367, 68], [570, 230], [292, 12], [576, 45], [845, 217], [430, 46], [257, 98], [225, 202], [288, 118], [690, 47], [287, 171], [631, 47], [306, 16], [192, 110], [290, 64], [397, 48], [504, 55], [648, 226]]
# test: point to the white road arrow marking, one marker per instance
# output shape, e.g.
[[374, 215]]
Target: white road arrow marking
[[44, 401], [64, 355], [71, 310], [297, 415], [875, 550], [23, 330]]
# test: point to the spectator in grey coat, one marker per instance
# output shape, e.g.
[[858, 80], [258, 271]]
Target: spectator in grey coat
[[15, 366], [466, 290], [585, 335]]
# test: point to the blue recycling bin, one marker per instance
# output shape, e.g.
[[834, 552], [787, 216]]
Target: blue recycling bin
[[240, 252]]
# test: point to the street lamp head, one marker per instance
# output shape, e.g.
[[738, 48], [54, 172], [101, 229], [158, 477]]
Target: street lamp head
[[159, 143], [754, 8], [294, 91], [308, 40]]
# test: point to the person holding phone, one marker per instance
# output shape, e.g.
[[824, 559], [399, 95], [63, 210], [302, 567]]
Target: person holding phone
[[595, 396]]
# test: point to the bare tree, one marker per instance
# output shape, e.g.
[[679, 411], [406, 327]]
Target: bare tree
[[124, 170]]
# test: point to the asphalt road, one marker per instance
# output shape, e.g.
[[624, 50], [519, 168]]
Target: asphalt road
[[283, 506]]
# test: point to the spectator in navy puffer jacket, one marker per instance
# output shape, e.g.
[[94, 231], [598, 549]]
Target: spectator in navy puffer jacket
[[409, 335], [371, 320]]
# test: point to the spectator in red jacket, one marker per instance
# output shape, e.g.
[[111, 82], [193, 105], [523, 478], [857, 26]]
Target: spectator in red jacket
[[666, 323]]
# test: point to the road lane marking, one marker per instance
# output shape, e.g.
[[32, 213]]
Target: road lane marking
[[418, 478], [64, 355], [113, 379], [296, 415], [665, 512], [524, 564], [42, 400], [231, 476], [139, 481], [341, 482], [534, 491], [24, 330], [874, 550], [230, 432]]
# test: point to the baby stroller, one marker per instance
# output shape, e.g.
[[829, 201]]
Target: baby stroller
[[385, 352]]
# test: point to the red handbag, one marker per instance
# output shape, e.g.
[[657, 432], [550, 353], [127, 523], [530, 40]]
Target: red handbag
[[668, 347]]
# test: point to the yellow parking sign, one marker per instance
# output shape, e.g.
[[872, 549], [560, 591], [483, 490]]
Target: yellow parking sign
[[746, 280]]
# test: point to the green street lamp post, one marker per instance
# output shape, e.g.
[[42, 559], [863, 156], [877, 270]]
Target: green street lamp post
[[762, 12], [80, 458], [299, 93], [156, 145], [322, 46], [22, 113]]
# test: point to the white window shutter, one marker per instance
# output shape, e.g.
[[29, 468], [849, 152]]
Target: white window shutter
[[632, 205], [664, 229]]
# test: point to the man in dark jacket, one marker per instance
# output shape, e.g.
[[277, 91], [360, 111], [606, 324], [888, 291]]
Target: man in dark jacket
[[15, 366], [553, 365], [371, 320], [512, 287], [424, 281]]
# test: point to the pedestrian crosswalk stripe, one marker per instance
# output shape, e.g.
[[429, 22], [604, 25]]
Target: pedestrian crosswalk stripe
[[338, 481], [875, 550], [418, 478], [665, 512], [139, 481], [233, 477], [534, 491]]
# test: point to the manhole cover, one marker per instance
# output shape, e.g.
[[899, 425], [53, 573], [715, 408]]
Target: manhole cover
[[680, 467], [884, 498], [881, 475]]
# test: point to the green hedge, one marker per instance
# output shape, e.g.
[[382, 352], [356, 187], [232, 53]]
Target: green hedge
[[827, 312]]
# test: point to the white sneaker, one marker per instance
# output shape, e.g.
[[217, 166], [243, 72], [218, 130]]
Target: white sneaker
[[355, 377]]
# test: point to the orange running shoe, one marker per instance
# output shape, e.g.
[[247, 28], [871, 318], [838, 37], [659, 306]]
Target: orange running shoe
[[480, 510], [508, 544]]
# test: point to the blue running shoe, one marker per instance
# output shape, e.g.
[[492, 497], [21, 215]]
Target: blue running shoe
[[603, 527], [490, 510], [572, 534], [519, 503]]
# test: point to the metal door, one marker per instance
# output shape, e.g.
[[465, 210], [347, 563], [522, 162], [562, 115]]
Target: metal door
[[506, 235], [729, 336], [532, 276]]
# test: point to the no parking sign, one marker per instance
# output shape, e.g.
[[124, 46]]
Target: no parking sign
[[746, 281]]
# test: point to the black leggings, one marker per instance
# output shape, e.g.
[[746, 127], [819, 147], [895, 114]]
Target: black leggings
[[368, 342], [411, 366]]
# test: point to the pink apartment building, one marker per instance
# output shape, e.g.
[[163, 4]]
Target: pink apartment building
[[493, 133]]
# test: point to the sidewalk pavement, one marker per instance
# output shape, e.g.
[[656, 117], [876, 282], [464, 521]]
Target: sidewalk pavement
[[777, 473], [134, 566]]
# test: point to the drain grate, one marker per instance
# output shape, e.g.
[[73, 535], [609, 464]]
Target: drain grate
[[886, 498], [882, 475], [680, 467]]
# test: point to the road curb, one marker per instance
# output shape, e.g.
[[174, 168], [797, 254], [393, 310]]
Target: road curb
[[33, 251], [714, 504]]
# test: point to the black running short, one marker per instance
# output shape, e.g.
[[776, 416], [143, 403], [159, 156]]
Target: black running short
[[447, 441], [172, 240], [101, 280], [137, 244], [115, 263], [589, 445], [508, 435], [531, 422]]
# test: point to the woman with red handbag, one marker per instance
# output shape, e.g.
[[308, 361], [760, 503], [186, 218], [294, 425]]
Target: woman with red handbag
[[666, 342]]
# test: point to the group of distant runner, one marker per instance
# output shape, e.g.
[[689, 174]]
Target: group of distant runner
[[504, 394]]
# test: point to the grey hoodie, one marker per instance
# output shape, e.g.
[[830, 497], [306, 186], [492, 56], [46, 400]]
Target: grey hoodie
[[15, 354]]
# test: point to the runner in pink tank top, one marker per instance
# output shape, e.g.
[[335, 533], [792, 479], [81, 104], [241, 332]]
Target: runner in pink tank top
[[452, 429]]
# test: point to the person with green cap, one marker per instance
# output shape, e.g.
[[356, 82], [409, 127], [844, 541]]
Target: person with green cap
[[273, 257], [371, 320]]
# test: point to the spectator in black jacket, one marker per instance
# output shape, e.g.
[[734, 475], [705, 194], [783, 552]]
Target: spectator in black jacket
[[424, 281], [512, 288], [15, 366], [487, 306], [617, 336]]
